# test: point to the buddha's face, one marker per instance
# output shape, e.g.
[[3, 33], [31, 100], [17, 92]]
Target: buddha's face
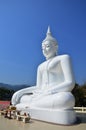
[[49, 49]]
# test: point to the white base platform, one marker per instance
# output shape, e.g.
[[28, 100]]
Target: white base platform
[[66, 117]]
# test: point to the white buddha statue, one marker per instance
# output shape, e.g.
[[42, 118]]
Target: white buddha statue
[[55, 81]]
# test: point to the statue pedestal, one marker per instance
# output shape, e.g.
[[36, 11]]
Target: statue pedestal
[[65, 117]]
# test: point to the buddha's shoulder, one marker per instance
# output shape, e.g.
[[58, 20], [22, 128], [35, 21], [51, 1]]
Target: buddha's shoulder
[[65, 56], [42, 65], [61, 57], [56, 58]]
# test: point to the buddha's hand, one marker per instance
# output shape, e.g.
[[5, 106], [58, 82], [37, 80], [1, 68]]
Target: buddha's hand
[[15, 98], [37, 91], [17, 95]]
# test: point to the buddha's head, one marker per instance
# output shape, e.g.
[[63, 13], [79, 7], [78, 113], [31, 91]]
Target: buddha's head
[[49, 45]]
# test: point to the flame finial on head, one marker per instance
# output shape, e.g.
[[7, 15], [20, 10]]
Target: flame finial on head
[[48, 30], [49, 37]]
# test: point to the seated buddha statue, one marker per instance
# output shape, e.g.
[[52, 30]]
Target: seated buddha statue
[[55, 81]]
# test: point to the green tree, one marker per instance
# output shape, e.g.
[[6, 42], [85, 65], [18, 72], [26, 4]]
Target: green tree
[[79, 92], [6, 94]]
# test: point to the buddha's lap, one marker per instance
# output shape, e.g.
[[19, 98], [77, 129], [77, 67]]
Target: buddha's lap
[[62, 99]]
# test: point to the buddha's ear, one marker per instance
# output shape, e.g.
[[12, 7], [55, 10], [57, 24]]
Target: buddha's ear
[[56, 48]]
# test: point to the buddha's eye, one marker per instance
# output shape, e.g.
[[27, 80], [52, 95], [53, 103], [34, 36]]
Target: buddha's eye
[[47, 46]]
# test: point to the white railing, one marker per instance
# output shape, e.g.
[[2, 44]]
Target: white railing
[[80, 109]]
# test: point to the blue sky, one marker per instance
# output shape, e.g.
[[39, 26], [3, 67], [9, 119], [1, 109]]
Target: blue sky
[[23, 26]]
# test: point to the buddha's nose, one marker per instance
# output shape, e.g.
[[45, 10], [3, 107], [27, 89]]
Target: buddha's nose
[[45, 51]]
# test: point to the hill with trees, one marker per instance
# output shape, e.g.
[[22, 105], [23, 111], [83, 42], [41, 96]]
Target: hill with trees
[[7, 90], [6, 94]]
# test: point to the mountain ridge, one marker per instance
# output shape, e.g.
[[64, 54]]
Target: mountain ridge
[[14, 87]]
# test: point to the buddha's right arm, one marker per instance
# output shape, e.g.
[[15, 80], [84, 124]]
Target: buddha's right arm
[[17, 95]]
